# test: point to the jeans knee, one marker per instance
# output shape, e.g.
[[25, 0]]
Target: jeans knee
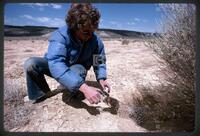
[[29, 64]]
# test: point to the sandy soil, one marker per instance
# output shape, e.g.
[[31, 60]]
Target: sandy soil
[[128, 66]]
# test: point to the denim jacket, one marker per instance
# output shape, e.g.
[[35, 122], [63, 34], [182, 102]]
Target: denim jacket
[[65, 50]]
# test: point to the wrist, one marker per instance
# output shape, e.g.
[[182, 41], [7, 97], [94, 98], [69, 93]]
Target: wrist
[[100, 80], [83, 87]]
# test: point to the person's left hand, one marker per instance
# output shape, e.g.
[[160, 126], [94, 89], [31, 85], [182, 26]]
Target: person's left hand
[[105, 84]]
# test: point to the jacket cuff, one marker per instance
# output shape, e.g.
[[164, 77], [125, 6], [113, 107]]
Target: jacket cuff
[[79, 85], [103, 78], [73, 86]]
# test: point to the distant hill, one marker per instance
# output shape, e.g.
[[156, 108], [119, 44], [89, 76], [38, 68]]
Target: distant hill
[[27, 30], [16, 31]]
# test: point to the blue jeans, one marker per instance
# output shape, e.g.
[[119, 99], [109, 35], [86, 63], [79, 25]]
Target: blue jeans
[[35, 69]]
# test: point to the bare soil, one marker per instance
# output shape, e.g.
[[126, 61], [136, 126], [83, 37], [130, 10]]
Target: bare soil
[[128, 65]]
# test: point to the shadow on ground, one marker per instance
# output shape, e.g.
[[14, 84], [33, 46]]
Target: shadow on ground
[[54, 92], [155, 115], [76, 100]]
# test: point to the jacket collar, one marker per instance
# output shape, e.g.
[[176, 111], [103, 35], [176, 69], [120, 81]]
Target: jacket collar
[[75, 41]]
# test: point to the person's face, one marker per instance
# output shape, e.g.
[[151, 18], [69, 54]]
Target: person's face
[[84, 34]]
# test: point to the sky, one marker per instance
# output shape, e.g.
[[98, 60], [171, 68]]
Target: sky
[[134, 17]]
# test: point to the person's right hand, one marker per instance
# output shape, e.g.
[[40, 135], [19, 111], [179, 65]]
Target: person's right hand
[[91, 93]]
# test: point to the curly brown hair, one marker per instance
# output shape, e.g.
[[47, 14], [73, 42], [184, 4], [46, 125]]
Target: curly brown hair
[[81, 15]]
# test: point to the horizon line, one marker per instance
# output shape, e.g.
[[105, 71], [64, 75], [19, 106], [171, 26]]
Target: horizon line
[[63, 25]]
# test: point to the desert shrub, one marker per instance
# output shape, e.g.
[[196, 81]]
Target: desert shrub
[[175, 45], [18, 116], [17, 113], [14, 90], [125, 42]]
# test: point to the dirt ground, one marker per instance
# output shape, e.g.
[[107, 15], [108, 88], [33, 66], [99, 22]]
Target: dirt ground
[[128, 66]]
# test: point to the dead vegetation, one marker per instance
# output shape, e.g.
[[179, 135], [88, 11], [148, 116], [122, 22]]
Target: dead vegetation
[[125, 42], [15, 111], [161, 107], [172, 103], [17, 115]]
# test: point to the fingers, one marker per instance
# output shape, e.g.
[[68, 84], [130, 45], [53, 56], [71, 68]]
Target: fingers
[[99, 96], [95, 99], [105, 85], [108, 86], [90, 101], [93, 96]]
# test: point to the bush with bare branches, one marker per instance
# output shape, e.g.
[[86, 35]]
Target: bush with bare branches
[[175, 45], [125, 42]]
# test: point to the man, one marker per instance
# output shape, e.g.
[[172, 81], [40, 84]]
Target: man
[[72, 50]]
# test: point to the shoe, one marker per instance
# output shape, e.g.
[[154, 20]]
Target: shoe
[[27, 100], [49, 94]]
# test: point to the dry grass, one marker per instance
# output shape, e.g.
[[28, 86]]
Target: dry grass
[[125, 42], [17, 116], [14, 90], [173, 101], [17, 112]]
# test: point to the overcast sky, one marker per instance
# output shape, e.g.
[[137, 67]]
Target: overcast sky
[[136, 17]]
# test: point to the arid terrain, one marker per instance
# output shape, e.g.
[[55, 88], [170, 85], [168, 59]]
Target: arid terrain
[[130, 64], [152, 78]]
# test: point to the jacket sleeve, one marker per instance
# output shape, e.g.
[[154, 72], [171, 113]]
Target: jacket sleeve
[[57, 53], [99, 61]]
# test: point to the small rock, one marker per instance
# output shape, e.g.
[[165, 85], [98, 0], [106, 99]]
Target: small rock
[[34, 112]]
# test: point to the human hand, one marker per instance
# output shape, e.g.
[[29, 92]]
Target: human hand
[[90, 93], [105, 84]]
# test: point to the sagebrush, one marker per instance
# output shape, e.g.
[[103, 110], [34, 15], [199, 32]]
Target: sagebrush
[[175, 45]]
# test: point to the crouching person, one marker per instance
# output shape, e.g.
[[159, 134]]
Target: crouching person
[[72, 50]]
